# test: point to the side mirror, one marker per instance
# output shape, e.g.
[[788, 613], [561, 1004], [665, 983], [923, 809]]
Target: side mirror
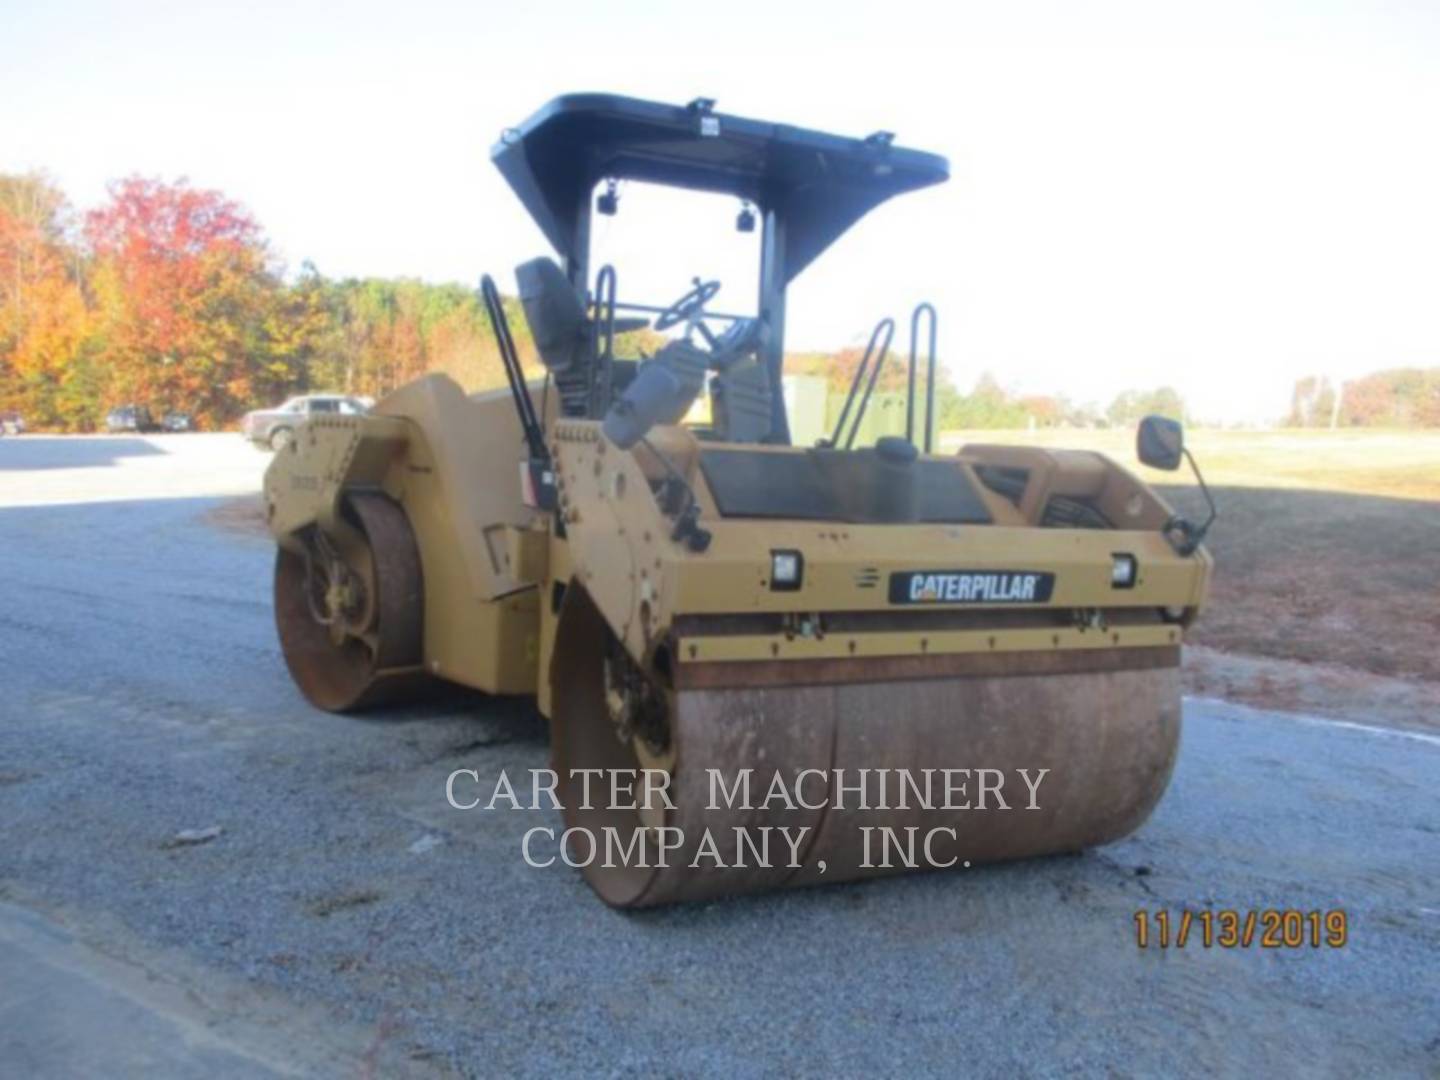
[[1160, 442]]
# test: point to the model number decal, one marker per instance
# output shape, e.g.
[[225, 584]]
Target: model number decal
[[971, 587]]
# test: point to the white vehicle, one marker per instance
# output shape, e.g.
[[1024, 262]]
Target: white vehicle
[[276, 427]]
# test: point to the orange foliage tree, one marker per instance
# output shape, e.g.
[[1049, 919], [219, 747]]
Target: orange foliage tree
[[46, 358], [186, 304]]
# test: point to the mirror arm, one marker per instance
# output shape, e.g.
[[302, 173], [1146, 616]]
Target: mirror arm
[[1204, 490], [1183, 536]]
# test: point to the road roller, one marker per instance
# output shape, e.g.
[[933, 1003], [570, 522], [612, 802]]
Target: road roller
[[692, 594]]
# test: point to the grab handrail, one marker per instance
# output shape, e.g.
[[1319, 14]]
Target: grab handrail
[[887, 327], [603, 335], [920, 309]]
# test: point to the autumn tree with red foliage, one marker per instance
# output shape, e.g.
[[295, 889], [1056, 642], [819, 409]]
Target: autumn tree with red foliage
[[186, 304], [1400, 397]]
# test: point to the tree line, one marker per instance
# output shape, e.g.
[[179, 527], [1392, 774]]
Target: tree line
[[168, 295], [989, 405], [1397, 397]]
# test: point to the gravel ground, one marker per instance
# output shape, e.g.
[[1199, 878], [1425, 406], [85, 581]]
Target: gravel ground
[[348, 920]]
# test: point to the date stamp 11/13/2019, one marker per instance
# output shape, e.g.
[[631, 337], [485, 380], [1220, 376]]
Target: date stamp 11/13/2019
[[1228, 928]]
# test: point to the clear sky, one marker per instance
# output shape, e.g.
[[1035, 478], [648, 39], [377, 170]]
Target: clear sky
[[1218, 197]]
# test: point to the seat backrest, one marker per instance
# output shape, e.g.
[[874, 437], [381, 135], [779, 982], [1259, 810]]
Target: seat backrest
[[555, 314], [740, 396]]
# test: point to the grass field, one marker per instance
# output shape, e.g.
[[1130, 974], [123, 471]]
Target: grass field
[[1399, 464], [1327, 548]]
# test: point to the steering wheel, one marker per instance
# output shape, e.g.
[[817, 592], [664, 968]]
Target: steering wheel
[[688, 306]]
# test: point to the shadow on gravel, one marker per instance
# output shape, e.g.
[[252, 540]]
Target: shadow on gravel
[[1093, 881], [513, 719], [48, 452]]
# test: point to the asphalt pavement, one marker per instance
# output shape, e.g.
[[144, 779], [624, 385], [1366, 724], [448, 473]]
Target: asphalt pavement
[[345, 920]]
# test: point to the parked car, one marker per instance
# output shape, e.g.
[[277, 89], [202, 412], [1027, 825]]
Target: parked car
[[134, 418], [276, 427], [12, 423], [178, 421]]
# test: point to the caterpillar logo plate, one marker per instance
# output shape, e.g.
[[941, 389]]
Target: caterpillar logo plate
[[971, 587]]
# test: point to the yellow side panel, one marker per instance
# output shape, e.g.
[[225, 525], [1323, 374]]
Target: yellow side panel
[[492, 645]]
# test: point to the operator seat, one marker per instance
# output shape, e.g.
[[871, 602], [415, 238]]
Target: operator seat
[[556, 316], [564, 335]]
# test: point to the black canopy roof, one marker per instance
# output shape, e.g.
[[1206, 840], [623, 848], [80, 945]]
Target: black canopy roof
[[819, 185]]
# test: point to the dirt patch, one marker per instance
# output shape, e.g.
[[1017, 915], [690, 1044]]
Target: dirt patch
[[1318, 689], [1325, 602], [244, 515], [1325, 578]]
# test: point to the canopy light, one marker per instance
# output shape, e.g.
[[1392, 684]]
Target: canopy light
[[709, 123], [609, 202]]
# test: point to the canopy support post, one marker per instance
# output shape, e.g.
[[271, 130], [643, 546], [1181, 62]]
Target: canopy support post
[[772, 313]]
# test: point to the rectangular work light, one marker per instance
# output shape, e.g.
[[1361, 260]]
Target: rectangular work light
[[787, 570], [1123, 571]]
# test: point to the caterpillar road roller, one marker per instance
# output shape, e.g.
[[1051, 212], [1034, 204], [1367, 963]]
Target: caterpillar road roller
[[688, 594]]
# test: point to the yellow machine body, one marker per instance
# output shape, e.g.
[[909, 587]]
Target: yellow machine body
[[694, 601], [505, 586]]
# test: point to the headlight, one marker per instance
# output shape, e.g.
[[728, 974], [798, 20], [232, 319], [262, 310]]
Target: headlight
[[787, 570], [1123, 570]]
